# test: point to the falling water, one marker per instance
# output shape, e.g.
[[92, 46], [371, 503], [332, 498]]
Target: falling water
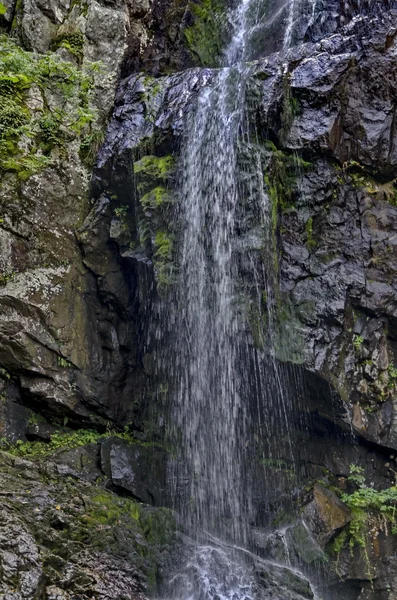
[[209, 408], [218, 380]]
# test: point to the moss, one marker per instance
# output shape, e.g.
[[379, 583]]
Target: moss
[[71, 39], [18, 124], [109, 517], [155, 198], [205, 37], [310, 241], [154, 167], [154, 221], [289, 109], [62, 441]]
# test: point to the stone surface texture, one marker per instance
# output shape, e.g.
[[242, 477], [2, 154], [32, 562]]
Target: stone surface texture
[[77, 288]]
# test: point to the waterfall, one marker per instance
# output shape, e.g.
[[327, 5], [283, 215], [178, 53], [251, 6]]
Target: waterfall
[[224, 392]]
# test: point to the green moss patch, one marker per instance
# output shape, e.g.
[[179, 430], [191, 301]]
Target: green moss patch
[[70, 39], [206, 36], [44, 102], [154, 220], [60, 441]]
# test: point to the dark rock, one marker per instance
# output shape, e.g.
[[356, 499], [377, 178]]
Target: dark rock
[[135, 468]]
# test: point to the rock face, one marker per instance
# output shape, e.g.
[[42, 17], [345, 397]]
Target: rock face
[[70, 350], [325, 139], [63, 536], [83, 267]]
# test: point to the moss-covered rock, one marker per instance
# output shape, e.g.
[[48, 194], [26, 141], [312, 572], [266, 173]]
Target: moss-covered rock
[[205, 37], [63, 527]]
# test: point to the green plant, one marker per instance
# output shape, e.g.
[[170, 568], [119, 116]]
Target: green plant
[[156, 198], [70, 38], [90, 145], [356, 475], [310, 241], [392, 370], [62, 362], [206, 35], [163, 246], [121, 212], [371, 509], [62, 441], [27, 134], [6, 277], [358, 341]]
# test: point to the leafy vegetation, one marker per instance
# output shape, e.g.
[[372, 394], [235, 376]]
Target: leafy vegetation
[[70, 38], [154, 220], [63, 362], [310, 241], [45, 102], [60, 441], [358, 341], [205, 37], [371, 509]]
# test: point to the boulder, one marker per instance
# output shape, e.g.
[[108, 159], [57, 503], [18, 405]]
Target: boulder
[[325, 515]]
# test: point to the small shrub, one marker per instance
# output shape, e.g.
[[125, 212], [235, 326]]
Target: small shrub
[[358, 341]]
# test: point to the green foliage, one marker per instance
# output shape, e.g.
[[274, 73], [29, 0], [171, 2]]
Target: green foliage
[[358, 341], [366, 498], [90, 145], [279, 465], [370, 510], [71, 39], [61, 441], [392, 370], [154, 226], [156, 198], [27, 134], [154, 167], [163, 246], [6, 277], [310, 241], [121, 212], [205, 38], [356, 475], [62, 362], [3, 9]]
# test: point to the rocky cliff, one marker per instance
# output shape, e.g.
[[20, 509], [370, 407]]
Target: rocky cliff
[[87, 262]]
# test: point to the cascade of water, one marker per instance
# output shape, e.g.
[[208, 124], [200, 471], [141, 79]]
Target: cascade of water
[[208, 407], [215, 374]]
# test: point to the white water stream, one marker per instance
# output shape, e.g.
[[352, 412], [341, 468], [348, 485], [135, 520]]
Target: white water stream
[[211, 367]]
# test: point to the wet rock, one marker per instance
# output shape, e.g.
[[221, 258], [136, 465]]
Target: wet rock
[[62, 536], [325, 515], [135, 468]]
